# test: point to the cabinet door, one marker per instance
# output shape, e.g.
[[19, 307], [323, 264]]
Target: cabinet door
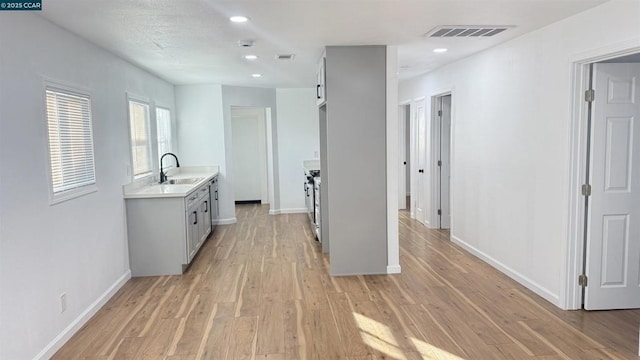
[[215, 210], [216, 207], [205, 208], [193, 233]]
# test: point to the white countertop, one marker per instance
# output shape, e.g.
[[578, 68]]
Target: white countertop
[[311, 164], [149, 187]]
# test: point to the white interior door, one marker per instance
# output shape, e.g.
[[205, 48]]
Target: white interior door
[[613, 240], [445, 162], [421, 156], [249, 154], [402, 159]]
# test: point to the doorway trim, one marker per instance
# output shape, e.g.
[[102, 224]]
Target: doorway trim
[[570, 292], [270, 155], [413, 156], [434, 150], [404, 123]]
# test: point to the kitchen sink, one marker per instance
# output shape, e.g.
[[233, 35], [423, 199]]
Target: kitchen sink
[[187, 181]]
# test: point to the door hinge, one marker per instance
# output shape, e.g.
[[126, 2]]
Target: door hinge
[[582, 280], [589, 95], [439, 162], [586, 190], [439, 112], [439, 212]]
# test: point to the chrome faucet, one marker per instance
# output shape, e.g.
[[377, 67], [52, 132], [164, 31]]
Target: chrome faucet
[[163, 176]]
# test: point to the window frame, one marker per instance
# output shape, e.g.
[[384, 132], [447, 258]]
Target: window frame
[[171, 137], [150, 134], [72, 90]]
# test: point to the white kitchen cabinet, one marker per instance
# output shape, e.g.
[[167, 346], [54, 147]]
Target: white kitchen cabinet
[[198, 220], [213, 196], [193, 230], [204, 221], [320, 85], [165, 233]]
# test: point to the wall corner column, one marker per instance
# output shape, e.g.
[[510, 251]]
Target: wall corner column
[[393, 241]]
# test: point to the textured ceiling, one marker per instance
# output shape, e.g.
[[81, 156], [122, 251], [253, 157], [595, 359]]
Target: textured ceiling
[[192, 41]]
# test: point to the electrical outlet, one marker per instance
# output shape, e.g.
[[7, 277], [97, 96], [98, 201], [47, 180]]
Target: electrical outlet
[[315, 154], [63, 302]]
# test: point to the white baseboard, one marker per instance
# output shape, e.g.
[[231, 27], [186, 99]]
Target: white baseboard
[[393, 269], [523, 280], [228, 221], [288, 211], [76, 324]]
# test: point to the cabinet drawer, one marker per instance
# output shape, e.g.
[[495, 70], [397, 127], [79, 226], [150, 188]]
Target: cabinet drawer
[[191, 199], [203, 191], [200, 193]]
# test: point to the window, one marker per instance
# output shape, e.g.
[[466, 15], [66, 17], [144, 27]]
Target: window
[[140, 138], [70, 138], [163, 121]]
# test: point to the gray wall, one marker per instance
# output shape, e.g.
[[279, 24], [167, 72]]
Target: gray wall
[[354, 176]]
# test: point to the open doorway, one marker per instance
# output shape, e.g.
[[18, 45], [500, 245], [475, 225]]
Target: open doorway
[[250, 159], [605, 243]]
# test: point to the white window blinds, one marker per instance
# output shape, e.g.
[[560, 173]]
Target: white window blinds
[[140, 138], [163, 121], [70, 142]]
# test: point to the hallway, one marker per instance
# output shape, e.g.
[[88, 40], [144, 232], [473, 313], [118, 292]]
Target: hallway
[[260, 289]]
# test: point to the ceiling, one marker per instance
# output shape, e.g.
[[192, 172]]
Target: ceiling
[[193, 42]]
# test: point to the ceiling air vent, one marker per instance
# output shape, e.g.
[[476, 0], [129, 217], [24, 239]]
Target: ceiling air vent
[[285, 57], [458, 31]]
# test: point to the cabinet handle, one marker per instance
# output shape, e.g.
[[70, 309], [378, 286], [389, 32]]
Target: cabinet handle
[[195, 217], [318, 91], [206, 209], [216, 194]]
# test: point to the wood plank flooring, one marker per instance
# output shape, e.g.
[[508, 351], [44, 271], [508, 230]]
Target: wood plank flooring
[[260, 289]]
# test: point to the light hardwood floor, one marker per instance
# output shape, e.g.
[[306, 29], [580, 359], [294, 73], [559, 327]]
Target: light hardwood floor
[[260, 289]]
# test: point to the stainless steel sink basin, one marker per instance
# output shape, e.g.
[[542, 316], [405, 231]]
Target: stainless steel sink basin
[[187, 181]]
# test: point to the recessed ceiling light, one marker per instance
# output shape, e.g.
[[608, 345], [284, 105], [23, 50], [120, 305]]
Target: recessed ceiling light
[[440, 50], [238, 19], [251, 57], [256, 75]]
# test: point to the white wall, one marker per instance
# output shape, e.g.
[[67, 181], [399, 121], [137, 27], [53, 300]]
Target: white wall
[[200, 127], [201, 136], [247, 97], [298, 140], [511, 141], [79, 246], [204, 128]]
